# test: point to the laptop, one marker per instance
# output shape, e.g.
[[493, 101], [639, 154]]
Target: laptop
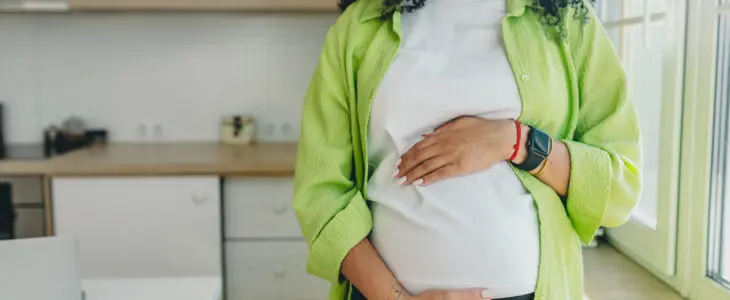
[[40, 269]]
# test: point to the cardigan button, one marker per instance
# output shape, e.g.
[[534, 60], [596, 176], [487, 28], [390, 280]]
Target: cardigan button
[[525, 77]]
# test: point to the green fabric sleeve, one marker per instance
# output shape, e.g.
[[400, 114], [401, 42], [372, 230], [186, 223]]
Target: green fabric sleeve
[[605, 182], [331, 211]]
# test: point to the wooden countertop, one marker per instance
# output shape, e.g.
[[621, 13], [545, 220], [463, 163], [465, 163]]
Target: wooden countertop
[[263, 159], [23, 167]]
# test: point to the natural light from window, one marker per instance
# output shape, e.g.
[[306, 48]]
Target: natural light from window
[[723, 95], [718, 254]]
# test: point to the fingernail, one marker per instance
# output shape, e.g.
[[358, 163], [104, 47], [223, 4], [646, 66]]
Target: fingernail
[[419, 182], [402, 180], [395, 175]]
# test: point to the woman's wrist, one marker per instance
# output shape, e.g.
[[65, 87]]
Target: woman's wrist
[[398, 293], [516, 143]]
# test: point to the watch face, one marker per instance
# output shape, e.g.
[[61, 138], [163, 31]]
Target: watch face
[[541, 144]]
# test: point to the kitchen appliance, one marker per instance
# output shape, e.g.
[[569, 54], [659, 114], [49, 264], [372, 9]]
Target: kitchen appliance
[[237, 130], [7, 213], [43, 6], [2, 132], [73, 134], [24, 152]]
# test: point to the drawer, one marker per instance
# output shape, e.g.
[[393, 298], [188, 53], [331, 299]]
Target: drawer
[[270, 271], [260, 208]]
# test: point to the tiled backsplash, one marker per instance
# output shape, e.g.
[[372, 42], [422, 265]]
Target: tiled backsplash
[[157, 76]]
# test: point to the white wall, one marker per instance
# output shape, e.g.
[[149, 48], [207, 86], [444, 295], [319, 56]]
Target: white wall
[[181, 71]]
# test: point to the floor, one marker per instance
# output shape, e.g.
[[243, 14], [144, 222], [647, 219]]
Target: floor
[[611, 276]]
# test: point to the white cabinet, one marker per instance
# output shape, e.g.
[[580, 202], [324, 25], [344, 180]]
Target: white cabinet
[[142, 227], [260, 208], [266, 255], [272, 271]]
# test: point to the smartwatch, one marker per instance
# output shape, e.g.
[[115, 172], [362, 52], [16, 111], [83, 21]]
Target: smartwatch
[[538, 148]]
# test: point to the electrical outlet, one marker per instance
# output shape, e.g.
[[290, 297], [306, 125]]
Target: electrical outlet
[[158, 131], [141, 132], [269, 130], [286, 130]]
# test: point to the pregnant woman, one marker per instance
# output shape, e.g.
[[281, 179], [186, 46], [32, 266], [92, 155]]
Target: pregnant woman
[[463, 149]]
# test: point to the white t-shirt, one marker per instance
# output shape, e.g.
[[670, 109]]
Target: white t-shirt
[[479, 230]]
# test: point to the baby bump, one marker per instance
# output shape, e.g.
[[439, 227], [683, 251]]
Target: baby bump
[[461, 233]]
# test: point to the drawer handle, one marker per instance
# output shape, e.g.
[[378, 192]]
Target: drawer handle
[[199, 199], [280, 273], [280, 209]]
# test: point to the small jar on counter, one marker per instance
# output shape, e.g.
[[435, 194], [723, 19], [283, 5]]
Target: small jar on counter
[[237, 130]]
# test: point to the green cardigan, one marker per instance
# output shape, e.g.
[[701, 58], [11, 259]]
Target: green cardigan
[[572, 86]]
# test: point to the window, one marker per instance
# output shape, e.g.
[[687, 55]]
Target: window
[[718, 267]]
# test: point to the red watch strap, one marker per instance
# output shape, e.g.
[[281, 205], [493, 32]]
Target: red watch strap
[[519, 141]]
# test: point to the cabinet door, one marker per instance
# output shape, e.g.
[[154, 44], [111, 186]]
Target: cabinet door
[[271, 271], [142, 227], [260, 208], [254, 5]]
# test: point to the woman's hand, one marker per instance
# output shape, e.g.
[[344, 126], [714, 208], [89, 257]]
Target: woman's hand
[[470, 294], [463, 146]]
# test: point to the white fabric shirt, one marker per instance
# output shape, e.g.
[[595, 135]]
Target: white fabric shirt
[[479, 230]]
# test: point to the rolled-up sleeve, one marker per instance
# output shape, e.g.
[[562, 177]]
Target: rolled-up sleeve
[[331, 210], [605, 179]]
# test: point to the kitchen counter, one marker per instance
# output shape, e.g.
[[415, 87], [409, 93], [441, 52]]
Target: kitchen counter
[[23, 167], [23, 159], [263, 159]]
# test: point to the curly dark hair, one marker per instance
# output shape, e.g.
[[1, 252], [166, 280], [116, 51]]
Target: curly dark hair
[[552, 10]]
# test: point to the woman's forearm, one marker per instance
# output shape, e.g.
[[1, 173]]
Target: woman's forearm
[[557, 171], [368, 272]]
